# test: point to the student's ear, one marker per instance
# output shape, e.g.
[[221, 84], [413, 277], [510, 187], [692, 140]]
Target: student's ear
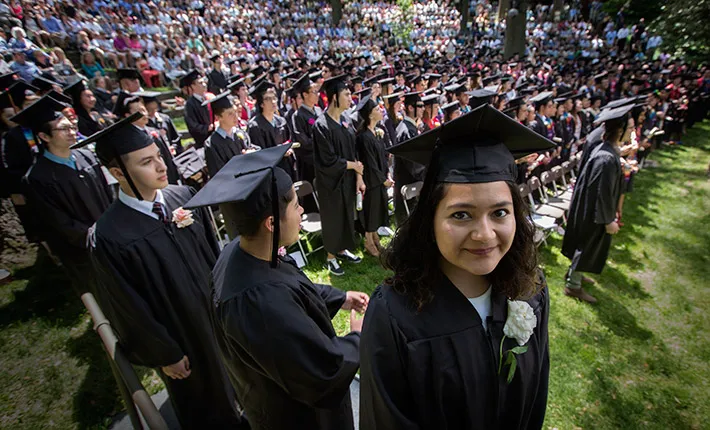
[[269, 224], [117, 173], [44, 136]]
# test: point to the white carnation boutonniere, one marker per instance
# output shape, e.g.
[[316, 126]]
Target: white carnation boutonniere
[[379, 133], [182, 217], [520, 325]]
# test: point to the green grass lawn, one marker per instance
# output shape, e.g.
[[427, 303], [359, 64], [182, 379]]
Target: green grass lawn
[[640, 358]]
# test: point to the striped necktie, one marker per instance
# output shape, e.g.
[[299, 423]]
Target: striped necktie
[[158, 210]]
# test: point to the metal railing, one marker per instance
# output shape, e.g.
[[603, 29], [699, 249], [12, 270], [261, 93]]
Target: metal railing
[[132, 391]]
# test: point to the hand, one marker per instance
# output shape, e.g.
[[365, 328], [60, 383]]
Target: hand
[[359, 168], [211, 128], [356, 301], [612, 227], [179, 370], [288, 153], [389, 182], [361, 185], [179, 101], [355, 321]]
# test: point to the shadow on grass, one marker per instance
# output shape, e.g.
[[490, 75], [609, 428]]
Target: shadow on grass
[[48, 295]]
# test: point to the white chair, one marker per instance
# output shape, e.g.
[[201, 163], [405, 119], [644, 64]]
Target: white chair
[[548, 178], [543, 208], [310, 222], [544, 225], [563, 190], [409, 192]]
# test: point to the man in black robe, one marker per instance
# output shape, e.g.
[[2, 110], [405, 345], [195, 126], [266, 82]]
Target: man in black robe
[[272, 324], [153, 261], [129, 104], [407, 172], [592, 216], [67, 188], [227, 141], [162, 122], [304, 121], [267, 129], [338, 175], [217, 80], [197, 117]]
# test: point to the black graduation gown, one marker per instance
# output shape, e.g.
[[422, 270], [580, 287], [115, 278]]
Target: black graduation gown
[[216, 82], [333, 146], [265, 135], [163, 122], [405, 172], [219, 150], [154, 288], [274, 329], [438, 368], [371, 151], [594, 204], [68, 202], [303, 123], [594, 139], [172, 170], [89, 123], [390, 132], [197, 118], [103, 98]]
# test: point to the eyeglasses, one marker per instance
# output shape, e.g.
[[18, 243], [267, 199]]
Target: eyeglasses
[[67, 128]]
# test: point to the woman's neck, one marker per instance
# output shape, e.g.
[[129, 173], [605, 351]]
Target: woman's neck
[[372, 127], [256, 247], [469, 284]]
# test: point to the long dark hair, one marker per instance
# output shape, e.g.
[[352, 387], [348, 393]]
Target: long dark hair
[[413, 254]]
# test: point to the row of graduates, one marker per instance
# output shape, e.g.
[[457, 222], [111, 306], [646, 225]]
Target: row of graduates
[[247, 324]]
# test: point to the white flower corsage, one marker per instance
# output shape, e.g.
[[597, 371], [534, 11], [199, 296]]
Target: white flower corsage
[[520, 325], [182, 217]]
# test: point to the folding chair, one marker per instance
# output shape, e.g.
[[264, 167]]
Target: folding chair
[[543, 208], [544, 225], [310, 222], [559, 184], [409, 192], [547, 178]]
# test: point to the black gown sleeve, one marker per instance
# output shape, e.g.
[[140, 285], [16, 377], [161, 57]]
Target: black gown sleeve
[[143, 337], [291, 348], [192, 122], [300, 126], [367, 152], [606, 177], [333, 297], [385, 400]]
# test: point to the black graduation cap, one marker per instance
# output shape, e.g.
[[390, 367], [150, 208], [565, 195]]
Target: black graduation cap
[[430, 99], [147, 96], [252, 183], [450, 108], [542, 98], [120, 108], [433, 76], [357, 79], [371, 80], [334, 85], [417, 79], [40, 112], [292, 75], [386, 81], [43, 84], [611, 114], [256, 70], [480, 97], [17, 93], [316, 75], [363, 92], [230, 61], [620, 102], [120, 138], [6, 80], [219, 103], [63, 98], [455, 89], [365, 105], [189, 77], [480, 146], [392, 97], [236, 84], [74, 91], [514, 104], [303, 84], [412, 99], [215, 56], [258, 90], [127, 74]]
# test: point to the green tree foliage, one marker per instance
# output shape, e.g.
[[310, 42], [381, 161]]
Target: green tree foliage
[[683, 24], [403, 24]]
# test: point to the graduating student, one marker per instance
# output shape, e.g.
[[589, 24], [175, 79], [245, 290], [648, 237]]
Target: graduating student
[[406, 171], [304, 121], [273, 325], [371, 151], [91, 120], [593, 215], [227, 141], [162, 122], [338, 175], [433, 351], [267, 129], [128, 104], [199, 122], [129, 80], [393, 104], [217, 80], [66, 187], [154, 260]]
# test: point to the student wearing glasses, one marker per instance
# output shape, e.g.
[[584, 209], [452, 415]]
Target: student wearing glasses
[[66, 186]]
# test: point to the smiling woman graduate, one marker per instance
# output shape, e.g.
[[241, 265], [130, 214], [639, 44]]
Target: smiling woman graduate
[[439, 340]]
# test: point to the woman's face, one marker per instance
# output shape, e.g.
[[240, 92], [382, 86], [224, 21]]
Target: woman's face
[[88, 100], [474, 226]]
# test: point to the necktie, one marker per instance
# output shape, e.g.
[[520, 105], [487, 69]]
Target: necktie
[[158, 210]]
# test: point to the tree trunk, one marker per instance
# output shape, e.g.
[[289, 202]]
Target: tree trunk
[[337, 6], [515, 32], [585, 9], [503, 6], [465, 16], [558, 5]]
